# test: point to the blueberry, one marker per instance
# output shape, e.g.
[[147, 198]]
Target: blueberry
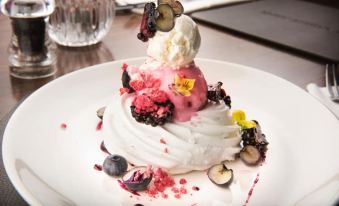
[[115, 165]]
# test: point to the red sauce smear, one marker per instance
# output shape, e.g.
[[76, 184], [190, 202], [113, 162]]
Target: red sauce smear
[[250, 192], [99, 126], [123, 186]]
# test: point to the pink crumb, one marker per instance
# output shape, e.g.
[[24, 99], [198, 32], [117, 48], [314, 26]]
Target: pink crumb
[[178, 196], [194, 204], [166, 150], [175, 189], [163, 195], [152, 191], [63, 126], [182, 181], [148, 171], [123, 90], [162, 141], [183, 190], [161, 181], [99, 126]]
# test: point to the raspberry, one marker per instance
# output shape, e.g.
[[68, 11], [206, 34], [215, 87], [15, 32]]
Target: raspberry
[[137, 85], [143, 102], [159, 96], [150, 81], [152, 109]]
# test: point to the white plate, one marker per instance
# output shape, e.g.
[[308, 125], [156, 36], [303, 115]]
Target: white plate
[[51, 166]]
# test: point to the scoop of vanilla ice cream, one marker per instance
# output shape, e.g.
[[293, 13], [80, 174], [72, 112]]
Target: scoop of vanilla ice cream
[[177, 47]]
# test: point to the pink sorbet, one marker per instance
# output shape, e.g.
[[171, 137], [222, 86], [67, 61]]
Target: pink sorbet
[[185, 106]]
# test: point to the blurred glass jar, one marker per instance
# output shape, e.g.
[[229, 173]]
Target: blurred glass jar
[[78, 23]]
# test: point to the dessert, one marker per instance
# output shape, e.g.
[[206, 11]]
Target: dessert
[[169, 92], [167, 117]]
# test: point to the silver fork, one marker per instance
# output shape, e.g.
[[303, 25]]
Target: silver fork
[[332, 82]]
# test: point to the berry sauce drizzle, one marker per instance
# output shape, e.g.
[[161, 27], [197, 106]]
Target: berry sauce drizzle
[[250, 192]]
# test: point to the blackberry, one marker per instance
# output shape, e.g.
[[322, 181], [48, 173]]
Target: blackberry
[[248, 134], [254, 137], [228, 101], [142, 37], [125, 78], [216, 94], [151, 23], [148, 22], [262, 149]]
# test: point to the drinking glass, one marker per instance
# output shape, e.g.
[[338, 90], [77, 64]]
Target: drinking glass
[[78, 23]]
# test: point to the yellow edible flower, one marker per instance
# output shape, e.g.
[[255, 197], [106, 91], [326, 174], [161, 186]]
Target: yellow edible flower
[[238, 115], [183, 86], [247, 124]]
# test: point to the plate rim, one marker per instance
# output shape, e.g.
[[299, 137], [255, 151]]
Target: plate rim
[[17, 183]]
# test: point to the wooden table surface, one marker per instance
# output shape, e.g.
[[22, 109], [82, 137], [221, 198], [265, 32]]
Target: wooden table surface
[[121, 43]]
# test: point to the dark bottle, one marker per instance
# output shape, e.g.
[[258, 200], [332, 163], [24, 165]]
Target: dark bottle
[[30, 50]]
